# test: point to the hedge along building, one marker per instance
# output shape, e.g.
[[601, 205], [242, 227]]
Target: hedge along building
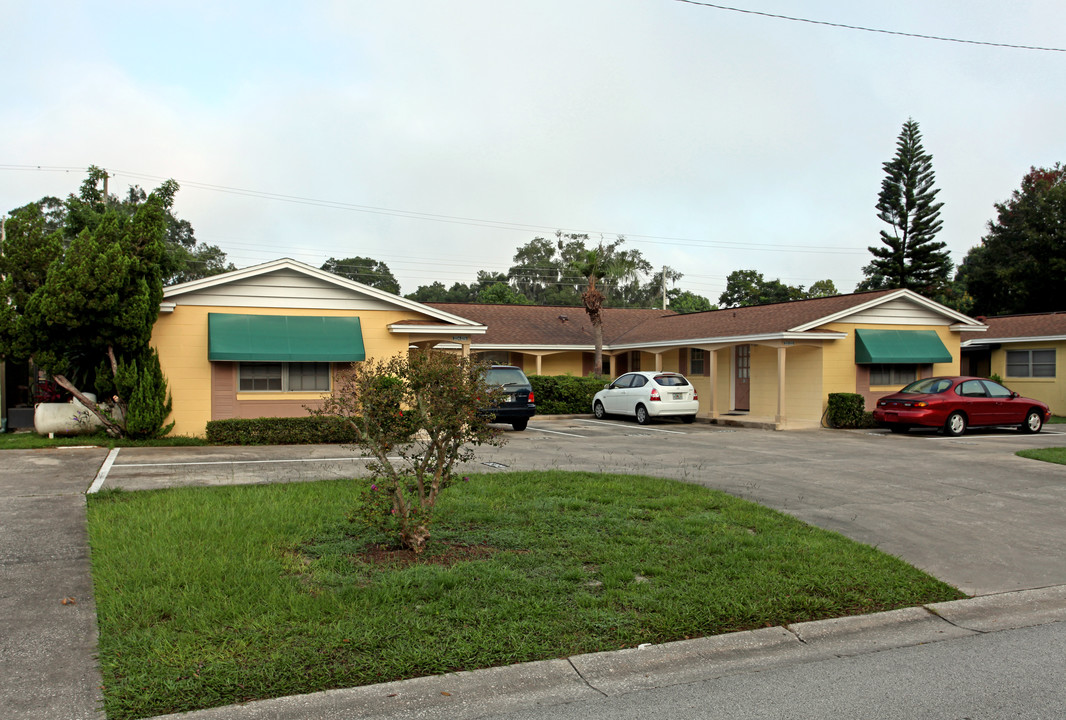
[[1025, 351], [266, 341], [773, 365]]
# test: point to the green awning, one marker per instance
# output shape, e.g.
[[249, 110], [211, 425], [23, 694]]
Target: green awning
[[899, 347], [284, 338]]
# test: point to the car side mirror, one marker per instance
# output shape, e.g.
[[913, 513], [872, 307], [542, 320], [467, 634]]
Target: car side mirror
[[608, 386], [1013, 395]]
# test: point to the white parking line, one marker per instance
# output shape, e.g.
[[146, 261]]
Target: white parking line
[[642, 427], [554, 432], [998, 436], [101, 476], [250, 462]]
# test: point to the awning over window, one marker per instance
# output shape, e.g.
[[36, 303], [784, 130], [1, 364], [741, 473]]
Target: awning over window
[[281, 338], [899, 347]]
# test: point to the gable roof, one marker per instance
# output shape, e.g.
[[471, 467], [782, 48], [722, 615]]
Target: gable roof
[[539, 327], [1019, 328], [287, 264]]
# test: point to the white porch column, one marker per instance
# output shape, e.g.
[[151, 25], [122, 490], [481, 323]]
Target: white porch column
[[780, 419], [712, 358], [658, 362], [538, 364]]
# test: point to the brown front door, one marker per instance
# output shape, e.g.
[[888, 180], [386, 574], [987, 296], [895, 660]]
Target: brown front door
[[742, 374]]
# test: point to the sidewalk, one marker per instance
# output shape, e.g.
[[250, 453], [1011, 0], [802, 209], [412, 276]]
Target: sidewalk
[[47, 615]]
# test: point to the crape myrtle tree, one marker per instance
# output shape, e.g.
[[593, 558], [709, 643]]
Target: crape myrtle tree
[[425, 408], [80, 300], [909, 256], [1020, 265]]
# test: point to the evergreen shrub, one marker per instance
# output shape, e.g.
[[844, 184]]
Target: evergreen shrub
[[565, 394]]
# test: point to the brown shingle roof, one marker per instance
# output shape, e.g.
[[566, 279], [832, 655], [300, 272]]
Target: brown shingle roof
[[539, 325], [745, 321], [1021, 326], [533, 325]]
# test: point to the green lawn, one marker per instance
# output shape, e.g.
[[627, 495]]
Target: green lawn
[[1052, 455], [33, 441], [211, 596]]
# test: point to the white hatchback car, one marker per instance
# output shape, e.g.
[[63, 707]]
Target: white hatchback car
[[646, 395]]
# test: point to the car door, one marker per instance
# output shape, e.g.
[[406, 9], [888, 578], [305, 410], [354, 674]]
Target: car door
[[615, 393], [637, 394], [1005, 407], [974, 400]]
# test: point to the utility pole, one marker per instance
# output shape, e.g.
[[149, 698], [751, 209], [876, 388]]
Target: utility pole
[[664, 287], [105, 186]]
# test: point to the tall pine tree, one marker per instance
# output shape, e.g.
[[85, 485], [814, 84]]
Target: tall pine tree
[[910, 257]]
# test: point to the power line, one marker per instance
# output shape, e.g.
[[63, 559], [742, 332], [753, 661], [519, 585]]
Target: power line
[[872, 30], [452, 219]]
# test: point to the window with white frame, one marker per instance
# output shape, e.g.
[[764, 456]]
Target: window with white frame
[[1031, 363], [283, 377], [697, 361], [893, 374]]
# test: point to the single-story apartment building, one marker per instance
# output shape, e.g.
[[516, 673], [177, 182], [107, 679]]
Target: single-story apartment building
[[1025, 351], [265, 341]]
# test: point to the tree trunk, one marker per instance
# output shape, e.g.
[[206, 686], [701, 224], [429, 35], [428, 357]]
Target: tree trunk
[[112, 427]]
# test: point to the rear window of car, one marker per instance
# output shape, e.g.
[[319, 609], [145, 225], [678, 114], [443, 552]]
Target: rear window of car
[[506, 377], [928, 386], [670, 380]]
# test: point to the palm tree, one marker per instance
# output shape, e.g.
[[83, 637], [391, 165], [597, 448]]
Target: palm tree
[[603, 261]]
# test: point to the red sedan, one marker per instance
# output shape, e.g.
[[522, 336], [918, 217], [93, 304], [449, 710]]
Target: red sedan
[[955, 403]]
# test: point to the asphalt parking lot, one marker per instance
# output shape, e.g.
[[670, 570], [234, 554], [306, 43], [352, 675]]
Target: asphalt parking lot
[[966, 509]]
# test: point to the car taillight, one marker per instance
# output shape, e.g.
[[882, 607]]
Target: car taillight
[[654, 395], [921, 404], [695, 395], [530, 396]]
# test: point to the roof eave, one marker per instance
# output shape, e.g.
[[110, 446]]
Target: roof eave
[[290, 264], [961, 320]]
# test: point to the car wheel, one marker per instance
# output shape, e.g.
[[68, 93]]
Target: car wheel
[[642, 415], [955, 425], [520, 424], [899, 428], [1033, 422], [688, 419], [598, 410]]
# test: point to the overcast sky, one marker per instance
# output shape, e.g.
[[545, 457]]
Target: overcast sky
[[440, 136]]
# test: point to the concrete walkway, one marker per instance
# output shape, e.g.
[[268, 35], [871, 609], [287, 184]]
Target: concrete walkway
[[48, 668]]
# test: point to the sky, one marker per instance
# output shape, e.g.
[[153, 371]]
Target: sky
[[439, 137]]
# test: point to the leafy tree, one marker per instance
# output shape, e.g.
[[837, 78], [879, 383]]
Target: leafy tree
[[426, 409], [683, 301], [822, 288], [502, 294], [537, 271], [910, 257], [96, 299], [748, 287], [366, 271], [1020, 265]]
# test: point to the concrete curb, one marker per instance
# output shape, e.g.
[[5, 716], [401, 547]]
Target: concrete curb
[[478, 693]]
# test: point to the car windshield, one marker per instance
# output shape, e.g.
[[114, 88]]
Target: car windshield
[[927, 386], [668, 380], [505, 376]]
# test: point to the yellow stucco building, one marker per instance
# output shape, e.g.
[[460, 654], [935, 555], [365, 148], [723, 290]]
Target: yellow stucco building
[[265, 341]]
